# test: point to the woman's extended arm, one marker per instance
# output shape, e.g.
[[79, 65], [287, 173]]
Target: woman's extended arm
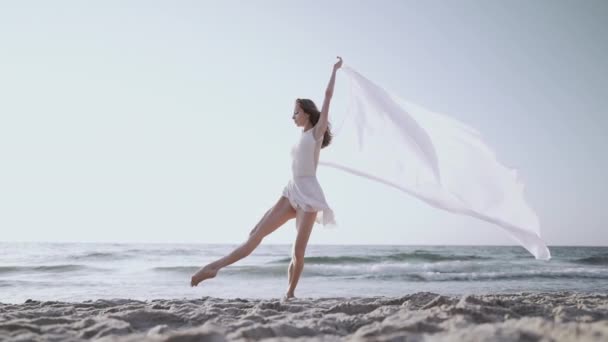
[[321, 126]]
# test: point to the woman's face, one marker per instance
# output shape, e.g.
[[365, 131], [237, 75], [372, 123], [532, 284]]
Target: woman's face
[[299, 117]]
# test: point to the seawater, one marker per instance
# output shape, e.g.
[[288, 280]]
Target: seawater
[[88, 271]]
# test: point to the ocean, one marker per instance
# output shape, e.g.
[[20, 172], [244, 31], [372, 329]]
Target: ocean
[[89, 271]]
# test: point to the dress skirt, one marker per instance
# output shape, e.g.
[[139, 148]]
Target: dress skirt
[[305, 193]]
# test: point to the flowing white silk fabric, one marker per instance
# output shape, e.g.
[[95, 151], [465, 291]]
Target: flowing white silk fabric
[[430, 156]]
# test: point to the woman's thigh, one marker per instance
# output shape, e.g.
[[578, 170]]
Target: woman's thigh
[[305, 222], [274, 218]]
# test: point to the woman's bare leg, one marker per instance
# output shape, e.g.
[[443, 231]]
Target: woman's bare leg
[[280, 213], [305, 222], [291, 264]]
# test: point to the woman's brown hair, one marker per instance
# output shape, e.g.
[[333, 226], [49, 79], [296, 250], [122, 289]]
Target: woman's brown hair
[[310, 108]]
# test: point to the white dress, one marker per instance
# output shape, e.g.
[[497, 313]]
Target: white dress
[[303, 190]]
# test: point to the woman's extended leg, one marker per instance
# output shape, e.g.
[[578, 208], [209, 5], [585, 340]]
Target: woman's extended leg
[[304, 223], [280, 213]]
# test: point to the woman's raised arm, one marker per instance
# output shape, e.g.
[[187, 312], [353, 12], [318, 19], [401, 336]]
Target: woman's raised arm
[[321, 126]]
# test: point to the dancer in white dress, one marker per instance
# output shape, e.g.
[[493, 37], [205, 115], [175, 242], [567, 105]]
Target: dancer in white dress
[[302, 198], [303, 190]]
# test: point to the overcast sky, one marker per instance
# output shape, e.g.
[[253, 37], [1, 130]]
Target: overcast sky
[[149, 121]]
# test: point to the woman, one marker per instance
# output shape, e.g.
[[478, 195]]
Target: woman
[[302, 198]]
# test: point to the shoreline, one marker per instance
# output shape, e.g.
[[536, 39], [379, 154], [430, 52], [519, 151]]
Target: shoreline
[[562, 315]]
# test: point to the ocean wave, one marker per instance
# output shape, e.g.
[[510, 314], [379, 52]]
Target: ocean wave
[[99, 256], [416, 256], [46, 269], [400, 272], [601, 259], [331, 260], [133, 253], [168, 252], [490, 276], [262, 271]]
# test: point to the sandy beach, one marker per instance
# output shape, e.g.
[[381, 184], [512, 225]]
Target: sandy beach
[[423, 316]]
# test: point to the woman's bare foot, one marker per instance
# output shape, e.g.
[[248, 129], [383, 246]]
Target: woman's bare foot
[[288, 296], [206, 272]]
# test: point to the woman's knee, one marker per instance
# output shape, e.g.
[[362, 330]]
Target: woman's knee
[[297, 255], [254, 239]]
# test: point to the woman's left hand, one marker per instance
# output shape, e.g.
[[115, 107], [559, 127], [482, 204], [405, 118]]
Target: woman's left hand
[[338, 64]]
